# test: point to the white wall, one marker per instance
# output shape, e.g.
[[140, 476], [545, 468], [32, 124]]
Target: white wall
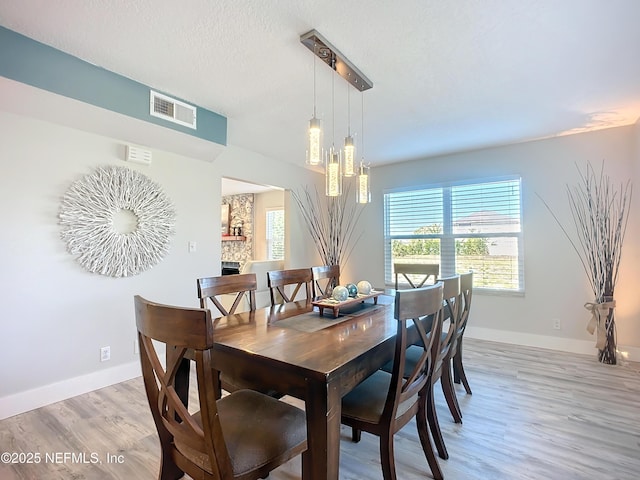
[[627, 288], [556, 286], [55, 315]]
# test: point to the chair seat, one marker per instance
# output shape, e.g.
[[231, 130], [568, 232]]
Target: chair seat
[[366, 402], [258, 430]]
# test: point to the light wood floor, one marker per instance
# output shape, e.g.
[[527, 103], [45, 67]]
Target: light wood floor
[[534, 414]]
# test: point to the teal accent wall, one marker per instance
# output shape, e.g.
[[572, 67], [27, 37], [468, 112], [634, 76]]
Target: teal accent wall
[[27, 61]]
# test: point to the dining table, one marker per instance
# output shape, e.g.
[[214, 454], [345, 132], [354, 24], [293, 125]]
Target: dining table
[[295, 351]]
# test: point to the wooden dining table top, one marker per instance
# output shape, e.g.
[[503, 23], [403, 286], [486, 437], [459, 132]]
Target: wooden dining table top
[[318, 367], [322, 351]]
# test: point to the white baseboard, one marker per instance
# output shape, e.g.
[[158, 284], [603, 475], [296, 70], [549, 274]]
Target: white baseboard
[[39, 397], [571, 345]]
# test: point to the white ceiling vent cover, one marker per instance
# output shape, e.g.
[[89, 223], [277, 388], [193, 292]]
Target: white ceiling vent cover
[[138, 155], [172, 110]]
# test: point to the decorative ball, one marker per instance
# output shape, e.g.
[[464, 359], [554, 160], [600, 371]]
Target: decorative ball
[[352, 289], [340, 293], [364, 287]]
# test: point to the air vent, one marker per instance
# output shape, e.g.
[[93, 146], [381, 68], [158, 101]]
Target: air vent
[[138, 155], [172, 110]]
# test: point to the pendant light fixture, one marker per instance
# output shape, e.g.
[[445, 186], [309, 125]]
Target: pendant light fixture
[[315, 142], [363, 184], [314, 149], [333, 163], [333, 174], [333, 168], [349, 148], [364, 187]]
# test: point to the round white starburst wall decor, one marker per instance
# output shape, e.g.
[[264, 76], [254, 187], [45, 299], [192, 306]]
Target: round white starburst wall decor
[[117, 221]]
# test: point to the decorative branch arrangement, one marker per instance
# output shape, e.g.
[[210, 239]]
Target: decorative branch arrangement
[[331, 222], [87, 218], [600, 213]]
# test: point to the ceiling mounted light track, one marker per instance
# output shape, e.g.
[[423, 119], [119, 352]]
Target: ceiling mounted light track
[[335, 60]]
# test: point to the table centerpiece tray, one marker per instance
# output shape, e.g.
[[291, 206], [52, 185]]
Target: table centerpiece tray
[[336, 305]]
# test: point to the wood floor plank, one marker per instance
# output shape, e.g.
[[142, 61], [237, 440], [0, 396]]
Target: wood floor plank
[[534, 414]]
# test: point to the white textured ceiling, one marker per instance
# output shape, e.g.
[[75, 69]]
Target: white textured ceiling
[[448, 75]]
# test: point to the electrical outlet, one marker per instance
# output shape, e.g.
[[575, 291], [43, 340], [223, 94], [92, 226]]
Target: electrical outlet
[[192, 246], [556, 324], [105, 354], [136, 347]]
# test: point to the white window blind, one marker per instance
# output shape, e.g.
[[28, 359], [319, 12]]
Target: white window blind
[[462, 227]]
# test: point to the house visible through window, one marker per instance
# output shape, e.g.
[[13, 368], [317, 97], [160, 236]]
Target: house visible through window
[[275, 234], [474, 226]]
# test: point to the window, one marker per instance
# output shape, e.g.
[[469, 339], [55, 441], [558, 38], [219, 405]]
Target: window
[[475, 226], [275, 234]]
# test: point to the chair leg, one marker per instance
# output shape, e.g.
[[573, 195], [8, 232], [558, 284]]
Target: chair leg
[[306, 466], [168, 469], [356, 434], [450, 392], [386, 456], [434, 426], [457, 358], [423, 433], [458, 370]]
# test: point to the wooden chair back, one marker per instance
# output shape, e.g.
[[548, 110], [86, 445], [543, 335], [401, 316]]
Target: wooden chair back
[[182, 435], [209, 288], [423, 270], [466, 286], [456, 302], [412, 307], [325, 278], [459, 375], [441, 357], [452, 302], [277, 280]]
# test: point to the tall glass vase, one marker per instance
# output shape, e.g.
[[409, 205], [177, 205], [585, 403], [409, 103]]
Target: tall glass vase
[[607, 354]]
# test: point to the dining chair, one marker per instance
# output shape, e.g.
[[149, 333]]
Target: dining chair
[[441, 363], [453, 307], [325, 278], [386, 401], [452, 302], [277, 280], [466, 285], [243, 435], [243, 285], [424, 270]]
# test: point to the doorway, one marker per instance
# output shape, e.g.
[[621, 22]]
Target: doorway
[[251, 230]]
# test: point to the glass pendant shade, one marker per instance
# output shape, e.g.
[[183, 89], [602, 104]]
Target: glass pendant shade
[[349, 149], [333, 174], [314, 152], [363, 190]]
